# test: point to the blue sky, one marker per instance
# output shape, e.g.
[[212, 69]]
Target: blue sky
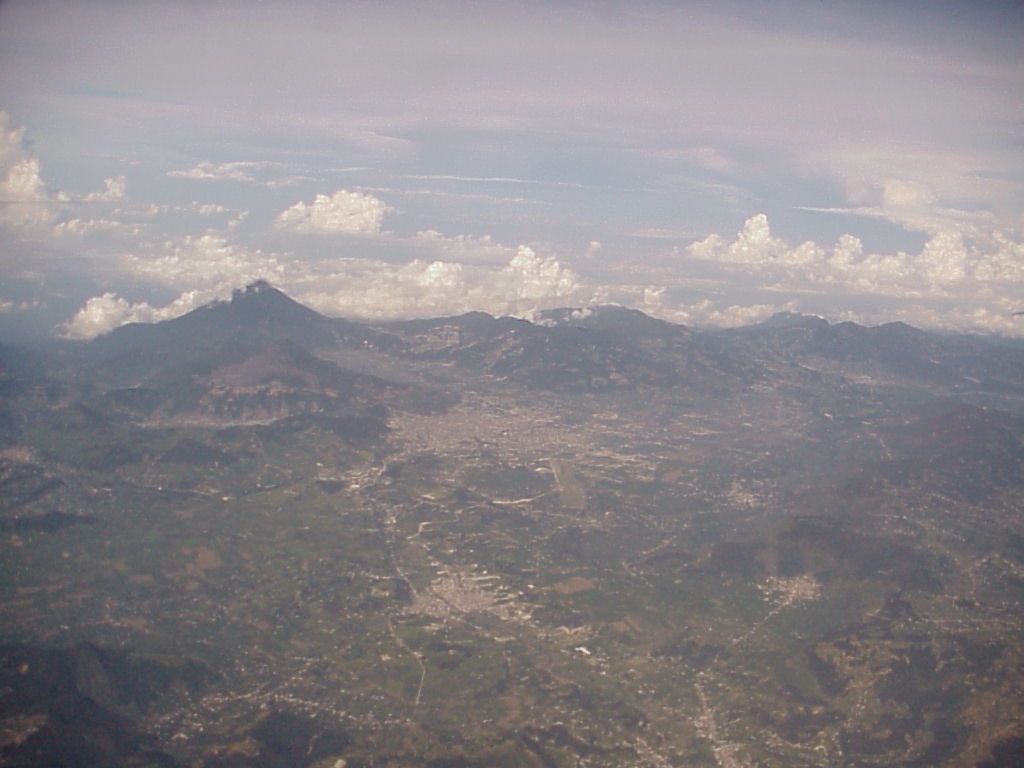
[[709, 163]]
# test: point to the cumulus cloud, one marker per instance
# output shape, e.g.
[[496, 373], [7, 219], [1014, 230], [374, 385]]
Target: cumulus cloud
[[203, 268], [949, 260], [114, 190], [24, 201], [743, 279], [753, 244], [464, 248], [350, 213], [208, 259], [539, 278], [968, 274], [421, 288], [102, 314]]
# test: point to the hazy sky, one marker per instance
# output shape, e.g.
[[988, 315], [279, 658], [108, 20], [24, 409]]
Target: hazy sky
[[705, 162]]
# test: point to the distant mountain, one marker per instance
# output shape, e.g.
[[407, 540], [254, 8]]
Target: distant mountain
[[254, 316], [890, 349], [592, 349], [614, 348], [612, 319], [577, 350]]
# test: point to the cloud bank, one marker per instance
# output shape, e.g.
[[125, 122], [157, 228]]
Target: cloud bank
[[359, 288], [950, 263], [951, 283]]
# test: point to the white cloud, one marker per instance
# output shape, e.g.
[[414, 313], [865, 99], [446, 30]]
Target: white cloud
[[102, 314], [351, 213], [264, 172], [900, 193], [24, 202], [209, 209], [114, 190], [200, 268], [203, 268], [913, 186], [361, 288], [467, 273], [194, 208], [205, 260], [346, 287], [914, 206], [464, 248], [949, 259], [19, 306], [539, 279], [753, 244], [706, 312], [207, 171], [972, 273], [82, 227]]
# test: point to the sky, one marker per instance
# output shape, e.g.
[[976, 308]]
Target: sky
[[710, 163]]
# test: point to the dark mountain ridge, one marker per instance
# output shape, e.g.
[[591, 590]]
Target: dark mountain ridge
[[602, 348]]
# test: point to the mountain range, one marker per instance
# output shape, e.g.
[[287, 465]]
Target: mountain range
[[572, 350]]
